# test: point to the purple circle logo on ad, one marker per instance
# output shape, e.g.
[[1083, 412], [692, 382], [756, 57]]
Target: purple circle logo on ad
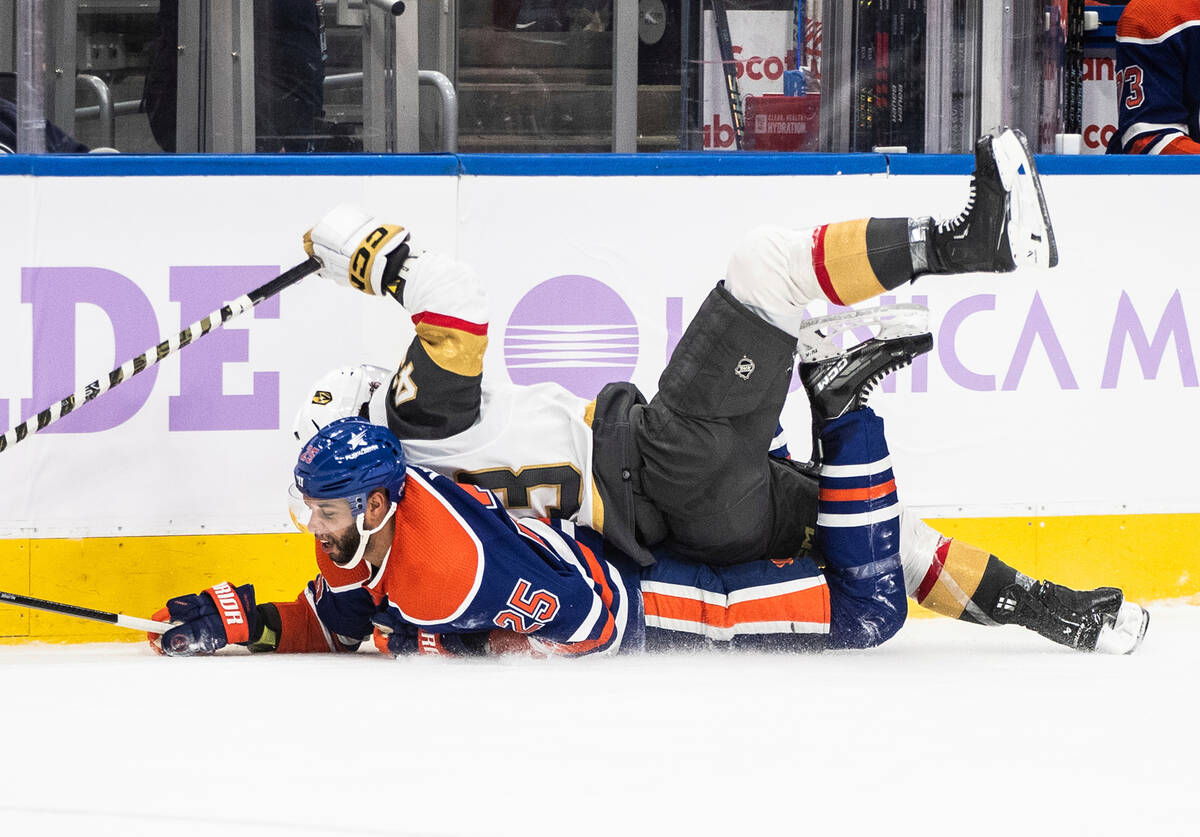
[[574, 331]]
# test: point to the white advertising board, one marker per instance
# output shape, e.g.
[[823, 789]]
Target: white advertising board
[[96, 270], [1063, 392]]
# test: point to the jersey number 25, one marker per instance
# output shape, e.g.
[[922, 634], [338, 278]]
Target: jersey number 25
[[527, 611]]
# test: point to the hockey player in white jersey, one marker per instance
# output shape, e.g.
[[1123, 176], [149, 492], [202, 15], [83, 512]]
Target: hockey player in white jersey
[[690, 469]]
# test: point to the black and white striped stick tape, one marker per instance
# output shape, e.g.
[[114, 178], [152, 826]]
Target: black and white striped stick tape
[[153, 355]]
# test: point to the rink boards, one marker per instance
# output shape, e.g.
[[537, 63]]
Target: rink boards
[[1052, 424]]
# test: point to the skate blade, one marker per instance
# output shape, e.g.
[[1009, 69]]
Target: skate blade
[[1126, 634], [1030, 232], [818, 335]]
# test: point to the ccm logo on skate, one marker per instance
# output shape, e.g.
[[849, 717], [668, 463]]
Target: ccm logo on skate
[[832, 372]]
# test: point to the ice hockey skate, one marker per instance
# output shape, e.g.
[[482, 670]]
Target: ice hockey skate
[[839, 380], [1088, 620], [1005, 224]]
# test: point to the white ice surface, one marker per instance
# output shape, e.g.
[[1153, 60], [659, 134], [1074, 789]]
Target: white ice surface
[[948, 729]]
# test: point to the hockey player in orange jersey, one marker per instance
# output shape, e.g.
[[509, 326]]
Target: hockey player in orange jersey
[[1158, 75], [708, 490], [424, 565]]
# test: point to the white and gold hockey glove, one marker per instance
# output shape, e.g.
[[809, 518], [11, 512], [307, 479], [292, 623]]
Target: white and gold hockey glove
[[353, 247]]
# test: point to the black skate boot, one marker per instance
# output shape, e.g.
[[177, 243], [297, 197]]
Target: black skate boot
[[839, 381], [1087, 620], [1005, 224]]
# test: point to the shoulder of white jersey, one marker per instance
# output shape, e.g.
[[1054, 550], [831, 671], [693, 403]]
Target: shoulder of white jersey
[[556, 392]]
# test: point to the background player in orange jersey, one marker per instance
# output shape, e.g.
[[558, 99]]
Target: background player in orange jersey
[[1158, 73]]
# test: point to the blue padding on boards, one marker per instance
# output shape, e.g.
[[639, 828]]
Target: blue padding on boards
[[700, 164], [669, 164], [227, 165], [1118, 164]]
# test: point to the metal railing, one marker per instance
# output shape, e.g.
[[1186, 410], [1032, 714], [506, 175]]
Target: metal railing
[[104, 110], [449, 106], [107, 111], [445, 87]]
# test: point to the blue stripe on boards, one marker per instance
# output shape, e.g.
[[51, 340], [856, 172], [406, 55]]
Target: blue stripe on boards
[[702, 164], [227, 165], [665, 164]]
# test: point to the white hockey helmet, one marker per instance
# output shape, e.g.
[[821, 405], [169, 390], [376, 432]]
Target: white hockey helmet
[[339, 393]]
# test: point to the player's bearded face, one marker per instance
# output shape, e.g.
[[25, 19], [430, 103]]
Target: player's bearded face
[[332, 523], [341, 547]]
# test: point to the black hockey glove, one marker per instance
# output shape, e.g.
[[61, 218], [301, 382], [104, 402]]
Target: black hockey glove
[[208, 621]]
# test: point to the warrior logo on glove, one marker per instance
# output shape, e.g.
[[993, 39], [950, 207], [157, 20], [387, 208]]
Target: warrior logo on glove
[[208, 621], [231, 610]]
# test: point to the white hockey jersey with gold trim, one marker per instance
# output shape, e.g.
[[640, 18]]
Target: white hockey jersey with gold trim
[[531, 445]]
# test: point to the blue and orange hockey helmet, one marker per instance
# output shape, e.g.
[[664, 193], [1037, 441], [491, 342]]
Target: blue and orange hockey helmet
[[349, 458]]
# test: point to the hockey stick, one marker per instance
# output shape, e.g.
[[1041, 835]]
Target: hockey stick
[[725, 43], [153, 355], [1073, 70], [118, 619]]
